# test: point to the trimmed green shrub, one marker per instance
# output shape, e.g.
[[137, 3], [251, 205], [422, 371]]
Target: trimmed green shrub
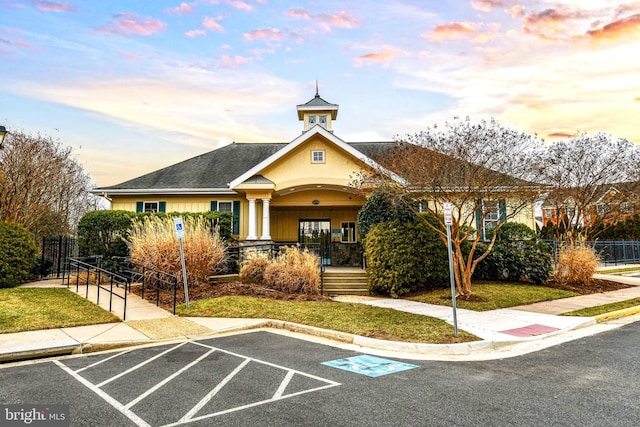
[[18, 252], [402, 258], [381, 207], [517, 254], [106, 232]]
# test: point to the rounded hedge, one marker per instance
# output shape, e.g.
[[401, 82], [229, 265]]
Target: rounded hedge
[[382, 207], [18, 252], [518, 254], [404, 257]]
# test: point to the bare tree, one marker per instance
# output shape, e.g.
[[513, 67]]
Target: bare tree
[[484, 170], [591, 179], [41, 186]]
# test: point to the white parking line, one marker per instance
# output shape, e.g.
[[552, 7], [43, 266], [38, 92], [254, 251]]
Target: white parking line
[[190, 416], [110, 400]]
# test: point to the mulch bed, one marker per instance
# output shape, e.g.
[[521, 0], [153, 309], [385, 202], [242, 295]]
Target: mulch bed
[[595, 286], [225, 289]]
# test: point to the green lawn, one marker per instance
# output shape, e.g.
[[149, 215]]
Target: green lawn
[[495, 296], [605, 308], [355, 319], [29, 309]]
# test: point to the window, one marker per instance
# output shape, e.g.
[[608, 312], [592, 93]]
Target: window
[[348, 232], [603, 209], [312, 121], [225, 207], [233, 207], [150, 207], [322, 120], [317, 156], [494, 212]]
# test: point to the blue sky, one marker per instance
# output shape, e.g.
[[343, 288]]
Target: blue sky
[[134, 86]]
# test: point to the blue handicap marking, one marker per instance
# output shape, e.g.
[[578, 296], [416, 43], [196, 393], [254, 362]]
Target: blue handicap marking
[[370, 366]]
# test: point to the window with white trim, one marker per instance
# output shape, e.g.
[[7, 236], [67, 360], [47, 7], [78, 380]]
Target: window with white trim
[[225, 207], [312, 120], [348, 232], [150, 206], [317, 156], [322, 121]]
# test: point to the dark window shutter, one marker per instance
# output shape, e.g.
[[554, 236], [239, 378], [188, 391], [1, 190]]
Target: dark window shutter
[[214, 205], [479, 220], [162, 207], [502, 204], [236, 217], [139, 206]]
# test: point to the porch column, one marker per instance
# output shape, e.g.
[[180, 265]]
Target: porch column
[[253, 220], [266, 228]]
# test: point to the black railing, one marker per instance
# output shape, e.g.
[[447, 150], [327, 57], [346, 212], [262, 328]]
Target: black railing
[[149, 279], [87, 272], [54, 254], [609, 251]]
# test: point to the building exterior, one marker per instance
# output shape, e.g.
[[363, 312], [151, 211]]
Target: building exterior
[[294, 192], [282, 192]]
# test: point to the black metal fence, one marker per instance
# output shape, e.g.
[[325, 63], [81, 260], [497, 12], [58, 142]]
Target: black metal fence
[[610, 251], [238, 253], [55, 252]]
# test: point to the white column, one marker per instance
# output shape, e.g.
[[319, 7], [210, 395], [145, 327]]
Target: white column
[[266, 227], [253, 220]]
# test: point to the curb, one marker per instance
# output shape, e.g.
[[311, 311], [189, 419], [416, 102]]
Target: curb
[[40, 353], [617, 314]]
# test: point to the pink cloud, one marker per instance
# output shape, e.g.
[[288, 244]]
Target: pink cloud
[[267, 34], [227, 61], [50, 6], [183, 9], [339, 19], [552, 23], [375, 57], [212, 24], [451, 31], [487, 5], [240, 5], [127, 24], [516, 11], [195, 33], [622, 29], [298, 13]]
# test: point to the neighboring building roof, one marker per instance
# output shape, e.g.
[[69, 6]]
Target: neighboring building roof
[[215, 170]]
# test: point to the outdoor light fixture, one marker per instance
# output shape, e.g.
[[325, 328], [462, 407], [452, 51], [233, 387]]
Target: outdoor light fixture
[[3, 132]]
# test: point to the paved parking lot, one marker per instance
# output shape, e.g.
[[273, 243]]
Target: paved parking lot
[[194, 382]]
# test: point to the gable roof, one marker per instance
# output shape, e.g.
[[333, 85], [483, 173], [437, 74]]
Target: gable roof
[[213, 172], [316, 130]]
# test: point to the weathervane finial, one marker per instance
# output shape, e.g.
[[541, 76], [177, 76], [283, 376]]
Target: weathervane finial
[[317, 93]]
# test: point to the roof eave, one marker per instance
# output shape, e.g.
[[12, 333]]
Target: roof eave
[[167, 191]]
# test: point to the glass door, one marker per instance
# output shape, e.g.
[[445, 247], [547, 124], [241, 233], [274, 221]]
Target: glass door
[[316, 235]]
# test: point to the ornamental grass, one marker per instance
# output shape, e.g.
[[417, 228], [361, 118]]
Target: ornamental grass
[[577, 263], [154, 244], [293, 271]]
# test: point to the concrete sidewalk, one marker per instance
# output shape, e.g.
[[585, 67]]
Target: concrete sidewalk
[[504, 332]]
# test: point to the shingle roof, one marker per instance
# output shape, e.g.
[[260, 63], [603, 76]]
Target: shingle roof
[[217, 168], [214, 169]]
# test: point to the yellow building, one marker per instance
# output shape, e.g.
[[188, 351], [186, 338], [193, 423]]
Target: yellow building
[[295, 192], [278, 192]]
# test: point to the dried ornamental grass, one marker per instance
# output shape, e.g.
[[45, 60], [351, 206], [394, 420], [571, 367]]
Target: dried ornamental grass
[[252, 271], [154, 244], [577, 263], [294, 271]]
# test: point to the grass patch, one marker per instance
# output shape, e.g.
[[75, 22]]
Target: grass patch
[[618, 270], [605, 308], [30, 309], [358, 319], [495, 296]]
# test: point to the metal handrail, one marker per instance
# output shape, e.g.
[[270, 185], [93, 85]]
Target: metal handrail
[[79, 267]]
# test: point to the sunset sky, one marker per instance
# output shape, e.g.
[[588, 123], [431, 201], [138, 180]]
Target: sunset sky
[[134, 86]]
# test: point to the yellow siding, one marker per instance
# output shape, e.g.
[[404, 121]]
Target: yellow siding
[[296, 168], [284, 221]]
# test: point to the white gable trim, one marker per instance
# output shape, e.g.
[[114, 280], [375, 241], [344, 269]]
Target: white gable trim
[[300, 140]]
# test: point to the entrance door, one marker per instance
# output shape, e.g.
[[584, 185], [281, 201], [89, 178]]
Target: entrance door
[[316, 235]]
